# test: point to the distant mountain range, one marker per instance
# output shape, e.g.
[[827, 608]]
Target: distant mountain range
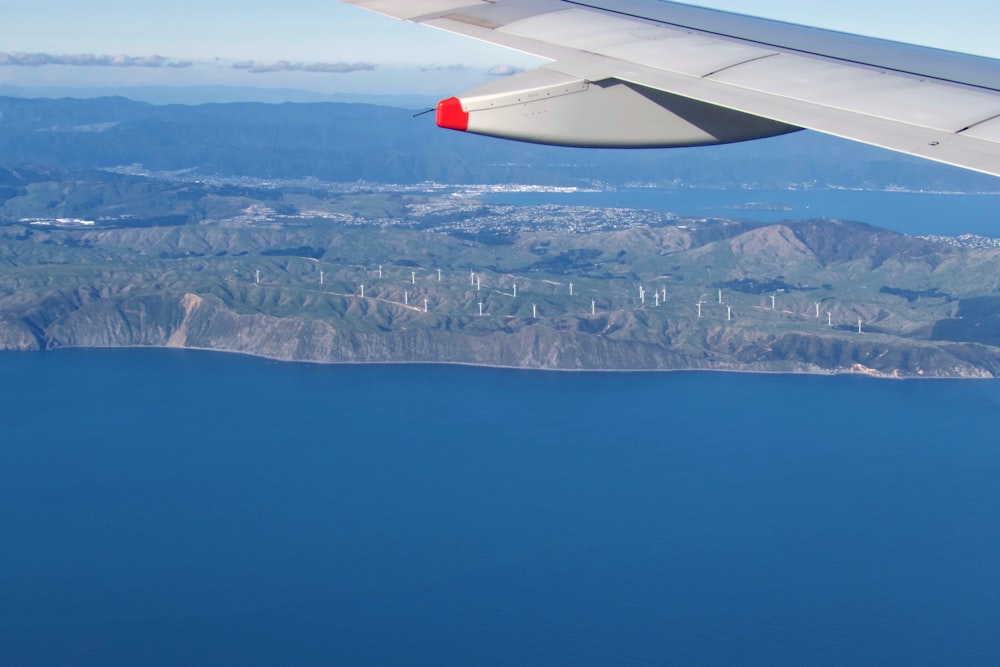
[[194, 95], [350, 142]]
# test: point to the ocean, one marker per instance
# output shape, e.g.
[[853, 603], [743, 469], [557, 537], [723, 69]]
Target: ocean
[[164, 507]]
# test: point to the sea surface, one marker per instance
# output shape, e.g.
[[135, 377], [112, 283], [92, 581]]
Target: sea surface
[[166, 507], [914, 213]]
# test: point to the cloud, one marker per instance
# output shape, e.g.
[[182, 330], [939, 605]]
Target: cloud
[[504, 70], [17, 59], [255, 67], [444, 68]]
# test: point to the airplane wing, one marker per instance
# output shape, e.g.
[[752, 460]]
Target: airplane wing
[[653, 73]]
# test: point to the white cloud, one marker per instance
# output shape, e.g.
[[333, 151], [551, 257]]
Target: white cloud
[[17, 59], [285, 66]]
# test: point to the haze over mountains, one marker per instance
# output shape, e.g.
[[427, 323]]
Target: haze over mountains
[[209, 94], [351, 142]]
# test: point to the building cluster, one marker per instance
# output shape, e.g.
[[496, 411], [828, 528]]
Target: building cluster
[[965, 241]]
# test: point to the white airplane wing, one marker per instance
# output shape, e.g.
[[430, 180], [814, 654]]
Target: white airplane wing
[[652, 73]]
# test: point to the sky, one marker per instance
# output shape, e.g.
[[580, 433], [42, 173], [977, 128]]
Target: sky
[[329, 47]]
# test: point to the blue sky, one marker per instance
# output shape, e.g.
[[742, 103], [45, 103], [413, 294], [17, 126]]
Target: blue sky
[[325, 46]]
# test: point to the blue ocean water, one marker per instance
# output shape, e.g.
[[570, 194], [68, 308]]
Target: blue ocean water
[[174, 508], [913, 213]]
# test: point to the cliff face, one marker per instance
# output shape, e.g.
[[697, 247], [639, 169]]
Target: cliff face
[[194, 321]]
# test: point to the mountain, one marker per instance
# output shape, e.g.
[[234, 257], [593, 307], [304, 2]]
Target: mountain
[[212, 94], [342, 285], [226, 230], [350, 142]]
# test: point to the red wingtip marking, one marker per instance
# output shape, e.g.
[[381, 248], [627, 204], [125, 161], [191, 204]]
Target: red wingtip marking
[[451, 115]]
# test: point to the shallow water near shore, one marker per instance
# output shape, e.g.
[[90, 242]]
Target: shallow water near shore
[[174, 507]]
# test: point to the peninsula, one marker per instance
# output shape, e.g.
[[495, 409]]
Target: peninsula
[[341, 275], [327, 233]]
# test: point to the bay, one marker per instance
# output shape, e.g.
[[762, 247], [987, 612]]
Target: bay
[[914, 213], [172, 507]]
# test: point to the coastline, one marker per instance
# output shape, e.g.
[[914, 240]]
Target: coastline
[[817, 372]]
